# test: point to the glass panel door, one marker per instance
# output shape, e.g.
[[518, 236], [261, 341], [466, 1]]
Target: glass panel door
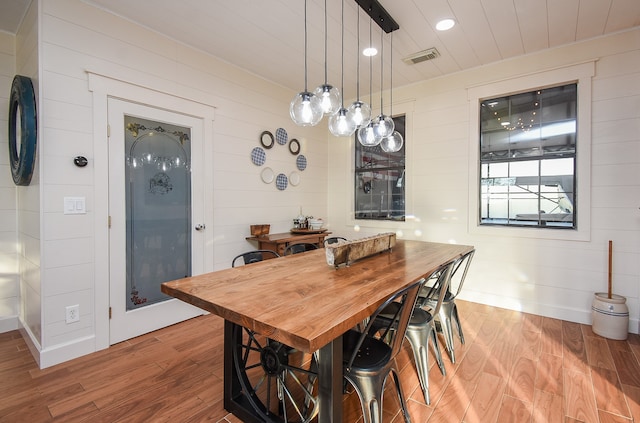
[[158, 208], [157, 229]]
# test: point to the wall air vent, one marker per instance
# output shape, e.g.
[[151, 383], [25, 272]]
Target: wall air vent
[[422, 56]]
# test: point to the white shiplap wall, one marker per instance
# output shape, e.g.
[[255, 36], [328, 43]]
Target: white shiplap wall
[[551, 277], [78, 38], [28, 197], [9, 281]]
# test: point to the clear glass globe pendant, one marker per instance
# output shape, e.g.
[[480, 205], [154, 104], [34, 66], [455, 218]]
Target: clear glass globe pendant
[[329, 98], [340, 125], [360, 113], [328, 94], [367, 137], [305, 109], [383, 126], [393, 143]]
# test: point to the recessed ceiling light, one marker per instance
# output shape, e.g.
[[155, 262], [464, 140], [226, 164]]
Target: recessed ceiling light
[[445, 24], [370, 51]]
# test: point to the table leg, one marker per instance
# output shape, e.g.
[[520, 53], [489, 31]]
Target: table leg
[[330, 382], [234, 401]]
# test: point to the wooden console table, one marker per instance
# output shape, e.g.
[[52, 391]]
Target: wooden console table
[[278, 242]]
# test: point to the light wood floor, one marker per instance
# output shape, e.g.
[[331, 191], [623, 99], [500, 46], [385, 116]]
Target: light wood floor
[[514, 367]]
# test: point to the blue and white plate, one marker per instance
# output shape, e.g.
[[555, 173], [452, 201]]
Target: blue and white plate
[[301, 162], [281, 136], [258, 156], [282, 181]]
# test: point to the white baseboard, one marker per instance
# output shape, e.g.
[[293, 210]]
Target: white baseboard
[[562, 313], [68, 351], [47, 357], [9, 323]]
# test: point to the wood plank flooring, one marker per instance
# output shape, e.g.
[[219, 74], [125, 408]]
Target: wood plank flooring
[[514, 367]]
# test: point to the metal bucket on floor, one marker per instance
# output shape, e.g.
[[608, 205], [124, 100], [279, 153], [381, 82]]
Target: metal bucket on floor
[[610, 316]]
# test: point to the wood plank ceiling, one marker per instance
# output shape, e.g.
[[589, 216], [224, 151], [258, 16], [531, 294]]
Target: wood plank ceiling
[[266, 37]]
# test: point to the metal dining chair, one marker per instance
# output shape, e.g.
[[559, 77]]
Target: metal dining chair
[[299, 248], [448, 313], [253, 256], [421, 328], [370, 355]]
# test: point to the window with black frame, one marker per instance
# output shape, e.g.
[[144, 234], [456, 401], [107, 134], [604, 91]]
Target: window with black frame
[[380, 180], [528, 158]]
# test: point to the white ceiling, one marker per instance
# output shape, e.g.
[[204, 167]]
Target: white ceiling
[[267, 36]]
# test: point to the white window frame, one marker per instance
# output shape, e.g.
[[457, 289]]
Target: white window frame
[[582, 74]]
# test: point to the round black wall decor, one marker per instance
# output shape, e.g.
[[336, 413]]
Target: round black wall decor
[[23, 130]]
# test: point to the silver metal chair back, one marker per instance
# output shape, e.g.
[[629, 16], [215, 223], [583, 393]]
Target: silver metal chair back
[[421, 328], [447, 314], [299, 248], [370, 355], [253, 256]]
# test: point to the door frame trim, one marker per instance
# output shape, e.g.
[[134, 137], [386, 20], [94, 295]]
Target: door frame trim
[[103, 87]]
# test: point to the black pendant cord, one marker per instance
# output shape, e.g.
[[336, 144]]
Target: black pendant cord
[[381, 70], [305, 46], [370, 66], [358, 61], [325, 42], [391, 79], [342, 59]]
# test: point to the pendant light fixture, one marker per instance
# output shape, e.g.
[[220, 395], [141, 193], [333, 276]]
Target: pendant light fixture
[[366, 135], [305, 108], [339, 123], [328, 94], [383, 125], [395, 141], [359, 111]]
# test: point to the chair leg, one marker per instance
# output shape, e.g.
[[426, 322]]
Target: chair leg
[[403, 403], [419, 340], [455, 316], [369, 389], [444, 316], [436, 349]]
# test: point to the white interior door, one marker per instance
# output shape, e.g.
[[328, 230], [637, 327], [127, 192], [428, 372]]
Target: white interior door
[[155, 210]]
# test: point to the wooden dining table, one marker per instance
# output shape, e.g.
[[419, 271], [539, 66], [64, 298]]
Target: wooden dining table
[[301, 301]]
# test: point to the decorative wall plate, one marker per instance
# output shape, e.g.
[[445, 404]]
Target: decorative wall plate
[[294, 146], [266, 139], [294, 178], [301, 162], [281, 181], [281, 136], [258, 156], [267, 175]]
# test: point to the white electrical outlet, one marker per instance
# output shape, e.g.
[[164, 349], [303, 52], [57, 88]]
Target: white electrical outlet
[[73, 313]]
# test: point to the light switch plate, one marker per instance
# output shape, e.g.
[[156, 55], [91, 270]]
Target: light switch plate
[[75, 205]]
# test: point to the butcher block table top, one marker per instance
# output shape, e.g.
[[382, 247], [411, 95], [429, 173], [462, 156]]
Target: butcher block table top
[[303, 302]]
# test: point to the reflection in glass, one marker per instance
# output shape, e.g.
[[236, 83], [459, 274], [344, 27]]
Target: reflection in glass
[[527, 158], [158, 208], [380, 180]]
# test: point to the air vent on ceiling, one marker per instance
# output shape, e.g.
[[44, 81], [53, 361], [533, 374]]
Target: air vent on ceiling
[[422, 56]]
